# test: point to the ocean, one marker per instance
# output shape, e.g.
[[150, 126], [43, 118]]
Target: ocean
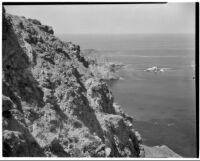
[[161, 103]]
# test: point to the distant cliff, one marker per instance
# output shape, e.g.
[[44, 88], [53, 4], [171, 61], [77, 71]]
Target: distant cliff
[[53, 104], [101, 67]]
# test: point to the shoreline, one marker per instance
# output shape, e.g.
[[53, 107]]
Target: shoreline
[[103, 68]]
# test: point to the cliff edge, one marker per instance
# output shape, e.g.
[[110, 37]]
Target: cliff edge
[[52, 103]]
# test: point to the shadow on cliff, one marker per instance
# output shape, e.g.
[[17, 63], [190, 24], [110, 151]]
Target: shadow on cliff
[[24, 145], [19, 85], [88, 117], [16, 72], [87, 114]]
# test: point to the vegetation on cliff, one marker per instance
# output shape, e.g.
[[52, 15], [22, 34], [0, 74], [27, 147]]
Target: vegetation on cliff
[[53, 104]]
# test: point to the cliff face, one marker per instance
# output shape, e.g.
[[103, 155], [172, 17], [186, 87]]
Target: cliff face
[[52, 103]]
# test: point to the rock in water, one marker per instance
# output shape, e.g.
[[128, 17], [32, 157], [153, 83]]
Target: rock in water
[[154, 69]]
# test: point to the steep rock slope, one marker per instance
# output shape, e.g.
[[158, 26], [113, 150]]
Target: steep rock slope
[[52, 103]]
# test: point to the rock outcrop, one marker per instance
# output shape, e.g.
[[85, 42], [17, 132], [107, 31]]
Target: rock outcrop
[[100, 66], [53, 105], [159, 152]]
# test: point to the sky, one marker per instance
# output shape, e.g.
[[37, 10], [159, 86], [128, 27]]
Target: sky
[[112, 19]]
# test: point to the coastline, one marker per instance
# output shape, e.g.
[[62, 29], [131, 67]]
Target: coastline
[[102, 68]]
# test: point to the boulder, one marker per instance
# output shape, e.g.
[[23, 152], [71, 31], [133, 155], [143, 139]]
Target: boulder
[[47, 29], [7, 103], [34, 21]]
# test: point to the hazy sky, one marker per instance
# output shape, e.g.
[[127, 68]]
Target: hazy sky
[[131, 18]]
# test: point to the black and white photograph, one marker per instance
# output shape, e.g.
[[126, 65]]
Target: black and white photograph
[[100, 80]]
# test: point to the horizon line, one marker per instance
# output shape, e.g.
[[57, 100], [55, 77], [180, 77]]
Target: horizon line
[[170, 33]]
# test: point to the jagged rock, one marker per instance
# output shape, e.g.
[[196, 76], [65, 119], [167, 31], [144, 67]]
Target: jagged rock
[[7, 103], [107, 151], [14, 144], [47, 29], [99, 95], [35, 21]]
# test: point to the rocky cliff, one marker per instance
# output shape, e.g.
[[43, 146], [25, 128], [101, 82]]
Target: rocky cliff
[[53, 105]]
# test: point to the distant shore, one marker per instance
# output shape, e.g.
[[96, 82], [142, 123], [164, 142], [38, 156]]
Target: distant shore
[[101, 67]]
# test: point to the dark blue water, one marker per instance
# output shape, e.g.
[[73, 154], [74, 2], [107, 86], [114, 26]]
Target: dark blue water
[[162, 103]]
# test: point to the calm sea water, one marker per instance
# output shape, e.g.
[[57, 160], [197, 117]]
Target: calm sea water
[[162, 103]]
